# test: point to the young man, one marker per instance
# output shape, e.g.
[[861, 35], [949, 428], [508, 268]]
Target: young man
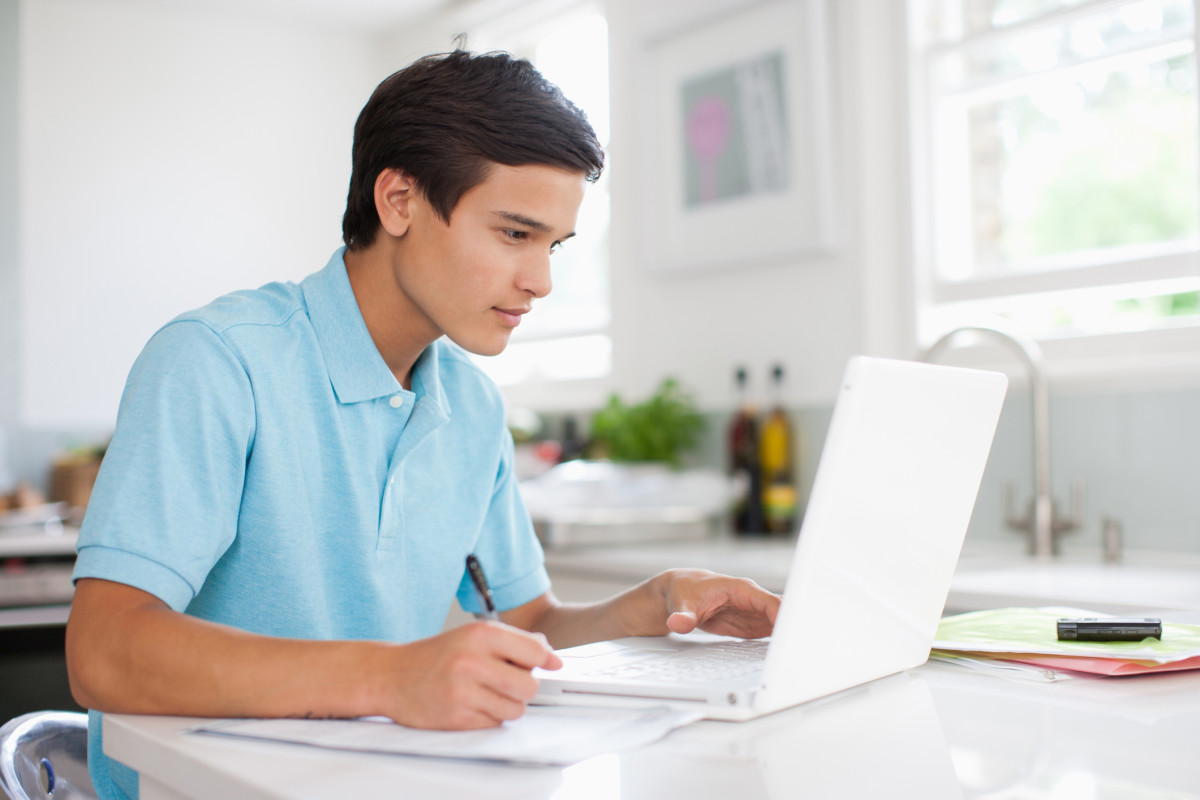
[[299, 472]]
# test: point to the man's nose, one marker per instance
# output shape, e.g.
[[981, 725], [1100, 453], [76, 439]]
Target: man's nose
[[535, 276]]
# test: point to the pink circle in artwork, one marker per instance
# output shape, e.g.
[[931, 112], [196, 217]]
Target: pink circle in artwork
[[708, 126]]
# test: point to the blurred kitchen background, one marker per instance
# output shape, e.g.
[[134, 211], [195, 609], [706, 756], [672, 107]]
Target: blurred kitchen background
[[1026, 164]]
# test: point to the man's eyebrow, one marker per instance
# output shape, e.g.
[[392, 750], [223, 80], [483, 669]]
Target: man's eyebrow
[[521, 219]]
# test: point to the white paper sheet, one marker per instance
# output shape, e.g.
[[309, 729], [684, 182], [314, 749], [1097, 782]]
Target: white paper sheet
[[545, 735]]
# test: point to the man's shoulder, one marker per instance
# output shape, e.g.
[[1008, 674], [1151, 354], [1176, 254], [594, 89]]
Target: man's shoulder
[[271, 305]]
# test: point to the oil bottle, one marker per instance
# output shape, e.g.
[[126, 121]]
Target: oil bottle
[[776, 447], [744, 464]]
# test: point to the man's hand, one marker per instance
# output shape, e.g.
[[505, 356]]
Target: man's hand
[[678, 600], [475, 676], [717, 604]]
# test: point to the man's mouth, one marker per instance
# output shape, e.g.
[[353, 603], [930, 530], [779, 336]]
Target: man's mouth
[[511, 316]]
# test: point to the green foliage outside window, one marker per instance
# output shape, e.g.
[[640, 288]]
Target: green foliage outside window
[[1121, 171]]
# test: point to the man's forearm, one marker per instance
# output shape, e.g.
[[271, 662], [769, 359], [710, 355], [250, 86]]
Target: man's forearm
[[638, 611], [128, 652]]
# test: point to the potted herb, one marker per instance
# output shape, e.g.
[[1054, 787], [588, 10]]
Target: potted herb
[[659, 430]]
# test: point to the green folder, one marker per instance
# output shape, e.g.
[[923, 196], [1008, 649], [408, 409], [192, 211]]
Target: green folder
[[1035, 630]]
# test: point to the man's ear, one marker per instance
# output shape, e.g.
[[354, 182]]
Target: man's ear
[[395, 191]]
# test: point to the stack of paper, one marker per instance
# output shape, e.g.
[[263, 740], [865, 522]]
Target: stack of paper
[[549, 736], [1030, 636]]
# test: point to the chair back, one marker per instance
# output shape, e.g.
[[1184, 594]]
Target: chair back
[[43, 756]]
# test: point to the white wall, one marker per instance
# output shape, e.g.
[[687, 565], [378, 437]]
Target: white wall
[[167, 154], [698, 326]]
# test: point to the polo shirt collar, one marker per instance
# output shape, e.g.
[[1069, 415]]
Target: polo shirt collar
[[356, 369], [427, 379]]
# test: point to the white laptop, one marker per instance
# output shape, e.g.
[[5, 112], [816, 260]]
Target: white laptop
[[890, 504]]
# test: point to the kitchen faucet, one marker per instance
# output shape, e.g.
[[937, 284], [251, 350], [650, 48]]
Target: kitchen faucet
[[1039, 522]]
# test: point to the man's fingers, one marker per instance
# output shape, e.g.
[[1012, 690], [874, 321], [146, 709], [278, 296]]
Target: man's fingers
[[482, 706], [720, 604], [682, 621], [527, 650], [510, 681]]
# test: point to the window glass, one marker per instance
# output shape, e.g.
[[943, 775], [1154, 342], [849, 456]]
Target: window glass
[[1085, 161], [1064, 148]]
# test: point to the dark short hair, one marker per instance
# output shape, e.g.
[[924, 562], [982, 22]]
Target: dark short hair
[[445, 119]]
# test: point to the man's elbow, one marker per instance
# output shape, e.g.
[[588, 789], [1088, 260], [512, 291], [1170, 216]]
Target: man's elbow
[[81, 665], [97, 643], [89, 653]]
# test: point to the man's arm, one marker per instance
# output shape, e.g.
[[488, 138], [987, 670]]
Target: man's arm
[[678, 600], [128, 652]]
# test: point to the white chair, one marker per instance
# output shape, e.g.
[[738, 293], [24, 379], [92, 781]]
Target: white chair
[[43, 756]]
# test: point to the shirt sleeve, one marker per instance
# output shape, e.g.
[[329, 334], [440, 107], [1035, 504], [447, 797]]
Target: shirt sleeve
[[165, 505], [508, 548]]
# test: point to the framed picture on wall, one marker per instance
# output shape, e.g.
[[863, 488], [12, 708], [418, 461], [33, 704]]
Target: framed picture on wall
[[735, 129]]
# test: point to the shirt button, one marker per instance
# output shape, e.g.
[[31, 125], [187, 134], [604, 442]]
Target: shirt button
[[396, 401]]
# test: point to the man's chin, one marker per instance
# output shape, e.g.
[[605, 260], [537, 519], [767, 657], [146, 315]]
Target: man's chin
[[480, 347]]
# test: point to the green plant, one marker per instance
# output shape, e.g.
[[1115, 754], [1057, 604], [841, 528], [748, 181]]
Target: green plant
[[660, 429]]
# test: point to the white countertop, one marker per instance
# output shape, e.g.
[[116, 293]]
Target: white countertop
[[935, 732], [37, 596], [38, 540]]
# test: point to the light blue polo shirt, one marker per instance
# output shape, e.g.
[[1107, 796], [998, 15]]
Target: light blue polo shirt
[[269, 472]]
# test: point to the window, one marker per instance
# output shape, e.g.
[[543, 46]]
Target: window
[[1057, 159], [566, 337]]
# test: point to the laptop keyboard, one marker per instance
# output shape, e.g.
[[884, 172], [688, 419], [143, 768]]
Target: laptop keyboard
[[711, 663]]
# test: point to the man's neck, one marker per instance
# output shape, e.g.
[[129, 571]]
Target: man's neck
[[398, 329]]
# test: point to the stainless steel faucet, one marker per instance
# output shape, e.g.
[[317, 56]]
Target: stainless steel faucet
[[1039, 523]]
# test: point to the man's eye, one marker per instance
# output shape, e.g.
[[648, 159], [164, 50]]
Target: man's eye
[[516, 236], [554, 248]]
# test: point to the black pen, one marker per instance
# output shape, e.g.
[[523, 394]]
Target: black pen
[[482, 590]]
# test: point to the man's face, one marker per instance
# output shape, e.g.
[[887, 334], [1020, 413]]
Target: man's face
[[475, 277]]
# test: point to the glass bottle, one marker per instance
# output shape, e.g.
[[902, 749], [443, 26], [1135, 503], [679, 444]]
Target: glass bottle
[[776, 444], [743, 460]]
